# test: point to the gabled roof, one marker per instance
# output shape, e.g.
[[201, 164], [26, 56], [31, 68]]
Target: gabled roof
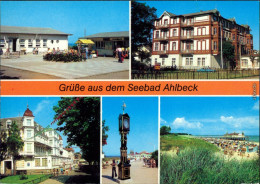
[[108, 35], [31, 30], [167, 13], [18, 120]]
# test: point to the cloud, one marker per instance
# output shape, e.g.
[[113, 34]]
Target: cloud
[[41, 106], [241, 122], [162, 121], [182, 123], [256, 106]]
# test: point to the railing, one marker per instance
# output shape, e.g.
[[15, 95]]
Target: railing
[[163, 26], [161, 38], [187, 36], [163, 52], [187, 51], [193, 74], [187, 23]]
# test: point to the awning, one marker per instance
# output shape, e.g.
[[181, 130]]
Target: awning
[[85, 41]]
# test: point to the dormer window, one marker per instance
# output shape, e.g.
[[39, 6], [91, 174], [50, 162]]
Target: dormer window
[[28, 122], [8, 124]]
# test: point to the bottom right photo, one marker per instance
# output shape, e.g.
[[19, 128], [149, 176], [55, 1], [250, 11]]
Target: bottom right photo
[[209, 140]]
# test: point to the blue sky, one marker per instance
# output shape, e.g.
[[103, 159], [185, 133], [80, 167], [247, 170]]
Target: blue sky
[[210, 115], [42, 108], [245, 12], [68, 16], [143, 112]]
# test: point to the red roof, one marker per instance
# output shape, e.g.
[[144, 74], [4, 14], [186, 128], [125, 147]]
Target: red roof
[[69, 149], [28, 112], [60, 138]]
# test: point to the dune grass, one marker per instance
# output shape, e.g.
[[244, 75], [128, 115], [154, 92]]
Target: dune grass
[[197, 163], [171, 141]]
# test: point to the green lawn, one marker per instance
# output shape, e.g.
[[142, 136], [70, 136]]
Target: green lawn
[[171, 141], [16, 179]]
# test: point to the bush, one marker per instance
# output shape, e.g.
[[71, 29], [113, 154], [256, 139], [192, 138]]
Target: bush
[[66, 57], [23, 176]]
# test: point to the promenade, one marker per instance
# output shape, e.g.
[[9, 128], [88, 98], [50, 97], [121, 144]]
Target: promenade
[[101, 67], [139, 174]]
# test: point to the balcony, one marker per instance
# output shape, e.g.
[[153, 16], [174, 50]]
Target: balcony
[[161, 38], [27, 153], [187, 51], [187, 24], [163, 52], [187, 37], [162, 26]]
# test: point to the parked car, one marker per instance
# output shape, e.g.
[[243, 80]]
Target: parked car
[[206, 70]]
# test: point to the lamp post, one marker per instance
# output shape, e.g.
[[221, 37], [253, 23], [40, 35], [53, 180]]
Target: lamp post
[[124, 128]]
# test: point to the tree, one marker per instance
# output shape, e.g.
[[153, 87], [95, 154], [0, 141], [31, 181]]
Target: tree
[[164, 130], [155, 156], [104, 130], [81, 124], [228, 54], [14, 143], [142, 25]]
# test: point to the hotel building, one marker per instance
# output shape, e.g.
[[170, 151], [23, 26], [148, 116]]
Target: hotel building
[[27, 38], [43, 148], [193, 40]]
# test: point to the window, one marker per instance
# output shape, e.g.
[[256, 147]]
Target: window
[[215, 31], [22, 42], [156, 48], [244, 62], [57, 41], [29, 147], [173, 61], [157, 23], [163, 61], [44, 162], [199, 31], [8, 124], [203, 61], [28, 122], [30, 44], [174, 21], [38, 43], [50, 142], [203, 31], [233, 37], [174, 32], [44, 42], [174, 46], [187, 61], [52, 41], [155, 60], [215, 45], [2, 43], [199, 61], [157, 34], [37, 162], [164, 47], [29, 133], [191, 61], [166, 22]]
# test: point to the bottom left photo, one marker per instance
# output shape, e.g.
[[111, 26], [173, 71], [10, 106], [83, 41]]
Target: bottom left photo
[[50, 140]]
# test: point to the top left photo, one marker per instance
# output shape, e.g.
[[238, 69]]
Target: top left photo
[[64, 40]]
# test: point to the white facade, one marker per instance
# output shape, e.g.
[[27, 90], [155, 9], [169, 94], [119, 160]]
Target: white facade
[[246, 63], [27, 42]]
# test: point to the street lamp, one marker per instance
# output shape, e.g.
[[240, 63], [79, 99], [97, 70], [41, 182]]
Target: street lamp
[[124, 128]]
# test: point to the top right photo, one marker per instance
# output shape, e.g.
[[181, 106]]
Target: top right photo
[[212, 40]]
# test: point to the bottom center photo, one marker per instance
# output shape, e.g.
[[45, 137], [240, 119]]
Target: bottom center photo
[[130, 140]]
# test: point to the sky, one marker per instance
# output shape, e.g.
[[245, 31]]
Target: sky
[[245, 12], [210, 115], [41, 107], [143, 112], [68, 16]]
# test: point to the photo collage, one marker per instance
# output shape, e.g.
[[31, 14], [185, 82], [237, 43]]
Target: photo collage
[[131, 92]]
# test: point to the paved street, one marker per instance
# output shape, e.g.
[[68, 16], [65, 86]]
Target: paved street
[[99, 67], [139, 174], [72, 177]]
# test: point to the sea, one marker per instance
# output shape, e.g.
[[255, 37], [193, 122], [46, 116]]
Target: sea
[[252, 138]]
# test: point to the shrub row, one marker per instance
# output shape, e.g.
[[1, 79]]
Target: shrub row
[[66, 57]]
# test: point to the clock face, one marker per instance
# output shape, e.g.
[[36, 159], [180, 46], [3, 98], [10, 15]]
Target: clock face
[[126, 124]]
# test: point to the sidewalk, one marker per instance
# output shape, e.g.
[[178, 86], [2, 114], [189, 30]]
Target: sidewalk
[[139, 174], [71, 70]]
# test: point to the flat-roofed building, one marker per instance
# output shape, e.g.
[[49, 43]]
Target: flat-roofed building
[[28, 38], [107, 42]]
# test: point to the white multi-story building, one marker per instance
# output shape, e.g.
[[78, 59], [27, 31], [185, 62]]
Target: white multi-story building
[[43, 148], [28, 38]]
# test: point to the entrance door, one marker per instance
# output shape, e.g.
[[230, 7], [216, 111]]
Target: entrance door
[[8, 168], [14, 44]]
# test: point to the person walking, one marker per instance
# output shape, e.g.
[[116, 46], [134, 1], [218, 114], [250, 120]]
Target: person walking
[[86, 52], [114, 169], [119, 51]]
